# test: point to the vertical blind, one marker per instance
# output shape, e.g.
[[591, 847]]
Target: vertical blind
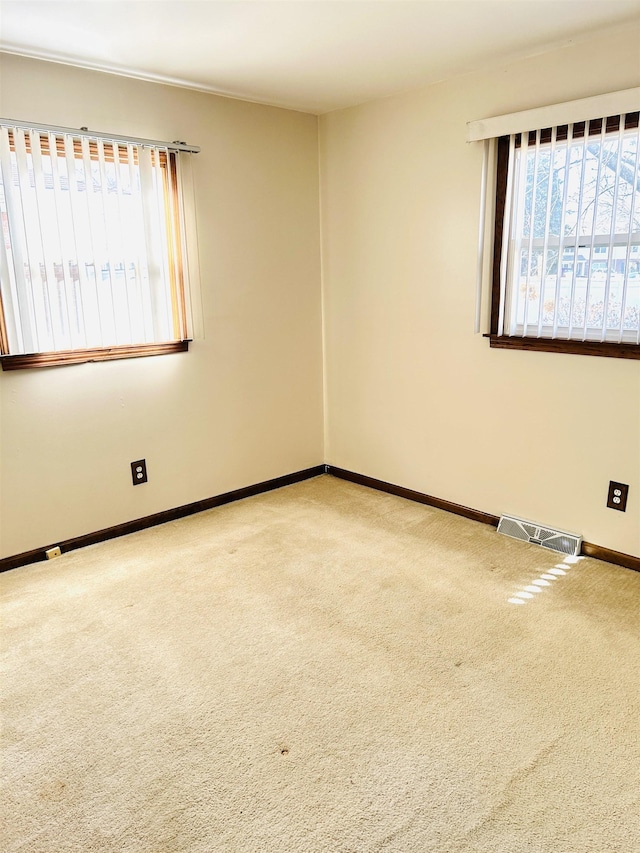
[[92, 253], [571, 265]]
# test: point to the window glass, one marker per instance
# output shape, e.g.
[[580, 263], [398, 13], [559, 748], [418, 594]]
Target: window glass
[[568, 266], [92, 253]]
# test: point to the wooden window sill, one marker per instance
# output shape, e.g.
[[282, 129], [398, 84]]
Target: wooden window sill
[[606, 348], [28, 361]]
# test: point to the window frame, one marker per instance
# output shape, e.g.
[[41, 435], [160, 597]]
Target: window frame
[[498, 339], [176, 285]]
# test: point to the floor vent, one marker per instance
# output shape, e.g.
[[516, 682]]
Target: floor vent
[[529, 531]]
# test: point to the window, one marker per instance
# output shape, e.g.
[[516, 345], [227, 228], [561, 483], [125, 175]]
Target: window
[[92, 256], [566, 273]]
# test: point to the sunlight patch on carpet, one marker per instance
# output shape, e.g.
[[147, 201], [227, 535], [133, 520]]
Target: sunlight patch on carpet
[[543, 580]]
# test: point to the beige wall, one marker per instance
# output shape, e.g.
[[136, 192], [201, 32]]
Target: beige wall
[[412, 395], [245, 404]]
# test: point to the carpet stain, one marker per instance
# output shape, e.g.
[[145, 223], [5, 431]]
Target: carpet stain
[[54, 790]]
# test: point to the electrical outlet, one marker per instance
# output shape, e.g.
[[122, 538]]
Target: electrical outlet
[[139, 472], [54, 552], [617, 497]]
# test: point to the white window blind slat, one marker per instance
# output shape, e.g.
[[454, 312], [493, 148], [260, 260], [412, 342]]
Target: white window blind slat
[[561, 230], [481, 233], [16, 314], [94, 322], [632, 215], [152, 242], [163, 295], [110, 251], [125, 288], [64, 281], [78, 241], [581, 156], [544, 261], [606, 320], [38, 305], [136, 232], [591, 233], [54, 296]]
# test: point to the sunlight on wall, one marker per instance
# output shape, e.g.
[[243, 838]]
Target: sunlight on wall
[[544, 580]]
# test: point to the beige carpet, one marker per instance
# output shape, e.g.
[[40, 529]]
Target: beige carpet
[[321, 669]]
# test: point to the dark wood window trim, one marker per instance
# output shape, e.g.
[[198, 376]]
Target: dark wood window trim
[[606, 348], [501, 200], [573, 347], [28, 361]]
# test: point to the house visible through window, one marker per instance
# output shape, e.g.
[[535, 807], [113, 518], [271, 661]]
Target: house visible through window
[[92, 254], [566, 259]]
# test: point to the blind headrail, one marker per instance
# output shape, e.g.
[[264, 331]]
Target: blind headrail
[[108, 137], [598, 106]]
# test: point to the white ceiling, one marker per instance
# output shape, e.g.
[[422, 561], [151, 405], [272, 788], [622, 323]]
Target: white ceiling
[[310, 55]]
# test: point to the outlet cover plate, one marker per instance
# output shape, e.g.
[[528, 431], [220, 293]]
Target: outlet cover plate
[[139, 472], [617, 497]]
